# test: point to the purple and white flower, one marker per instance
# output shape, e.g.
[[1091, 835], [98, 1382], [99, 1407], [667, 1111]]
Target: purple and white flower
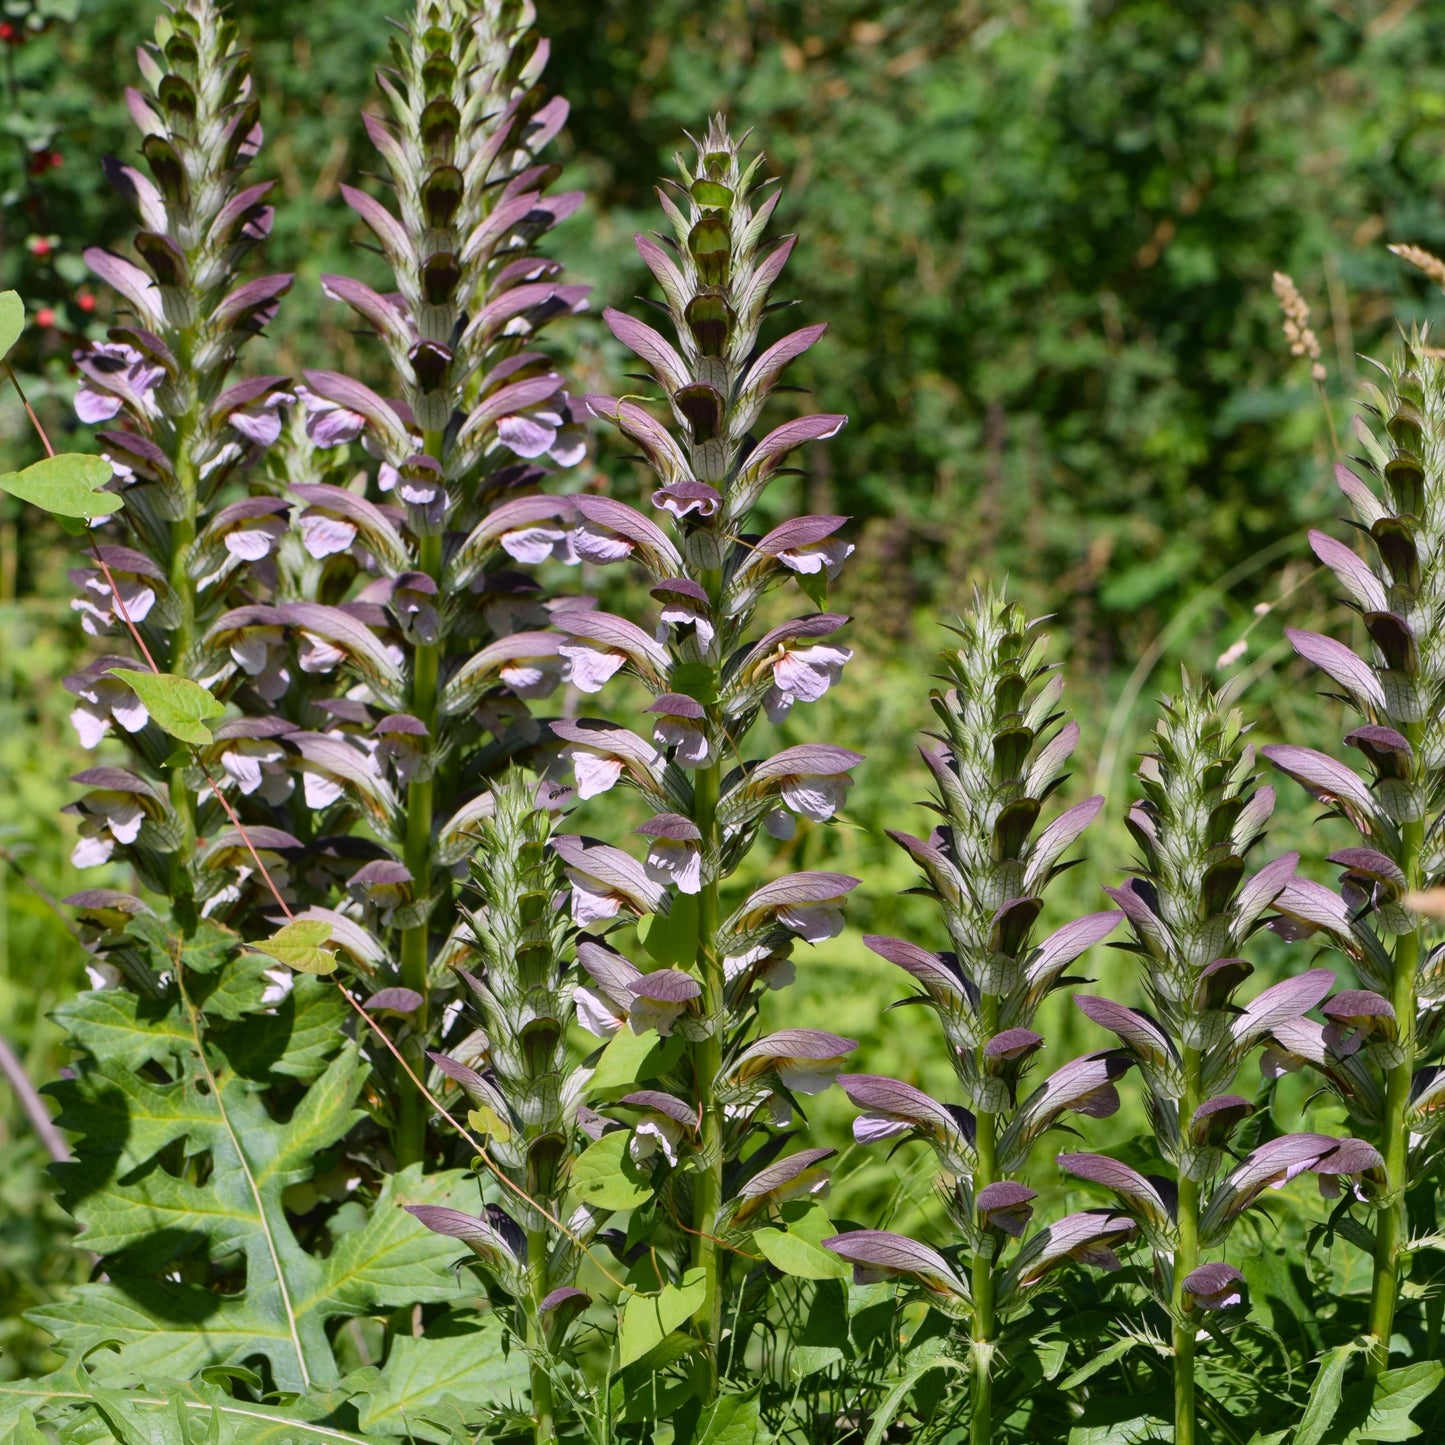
[[674, 851]]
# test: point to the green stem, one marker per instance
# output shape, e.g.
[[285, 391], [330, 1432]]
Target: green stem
[[420, 804], [544, 1410], [1390, 1223], [707, 1190], [981, 1425], [1186, 1260], [980, 1430], [183, 590]]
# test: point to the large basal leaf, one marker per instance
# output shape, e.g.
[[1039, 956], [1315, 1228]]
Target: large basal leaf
[[191, 1133], [166, 1412], [430, 1381]]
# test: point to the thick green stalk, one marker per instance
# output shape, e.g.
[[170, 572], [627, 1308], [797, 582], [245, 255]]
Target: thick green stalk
[[415, 941], [981, 1426], [544, 1412], [1186, 1260], [1390, 1223], [980, 1430], [707, 1188], [183, 589]]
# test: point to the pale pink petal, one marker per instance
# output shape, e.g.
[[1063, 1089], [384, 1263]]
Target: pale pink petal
[[93, 407], [596, 773], [249, 544], [246, 770], [595, 1015], [669, 861], [527, 436], [89, 727], [816, 797], [813, 922], [320, 790], [533, 545], [591, 668], [600, 547], [91, 852], [689, 740], [326, 535], [591, 904]]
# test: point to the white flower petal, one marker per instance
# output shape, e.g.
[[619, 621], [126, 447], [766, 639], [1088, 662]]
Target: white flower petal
[[595, 1015], [89, 728], [596, 772], [591, 667]]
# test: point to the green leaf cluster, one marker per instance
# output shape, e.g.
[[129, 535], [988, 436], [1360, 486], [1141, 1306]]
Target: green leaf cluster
[[211, 1119]]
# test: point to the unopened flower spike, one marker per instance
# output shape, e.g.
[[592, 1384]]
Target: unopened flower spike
[[1001, 750], [1193, 904]]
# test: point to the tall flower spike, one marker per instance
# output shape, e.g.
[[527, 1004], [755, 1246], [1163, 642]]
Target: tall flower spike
[[514, 1071], [711, 677], [1383, 1046], [460, 448], [999, 757], [1192, 906], [179, 433]]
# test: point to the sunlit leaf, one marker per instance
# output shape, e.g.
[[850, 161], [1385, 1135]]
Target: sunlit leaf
[[299, 945], [176, 704], [67, 485]]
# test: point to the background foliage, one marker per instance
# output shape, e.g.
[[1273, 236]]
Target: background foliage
[[1043, 234]]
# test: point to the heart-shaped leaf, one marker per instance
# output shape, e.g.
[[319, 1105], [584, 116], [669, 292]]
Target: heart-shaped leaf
[[606, 1175], [176, 704], [648, 1319], [300, 945], [797, 1256], [67, 485]]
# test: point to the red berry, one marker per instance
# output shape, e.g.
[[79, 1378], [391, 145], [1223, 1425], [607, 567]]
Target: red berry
[[85, 301], [39, 246], [45, 318], [12, 35]]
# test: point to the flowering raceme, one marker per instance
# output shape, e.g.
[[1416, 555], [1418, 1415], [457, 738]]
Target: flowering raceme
[[1380, 1047], [180, 433], [1000, 756], [442, 644], [1192, 905], [709, 681]]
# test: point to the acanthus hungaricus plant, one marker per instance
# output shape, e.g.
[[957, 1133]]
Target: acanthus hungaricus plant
[[272, 590], [226, 1180], [446, 640], [722, 1096], [359, 910], [1382, 1046], [526, 1100], [1192, 907], [1000, 756]]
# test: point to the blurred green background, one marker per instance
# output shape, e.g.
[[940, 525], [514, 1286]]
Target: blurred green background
[[1043, 234]]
